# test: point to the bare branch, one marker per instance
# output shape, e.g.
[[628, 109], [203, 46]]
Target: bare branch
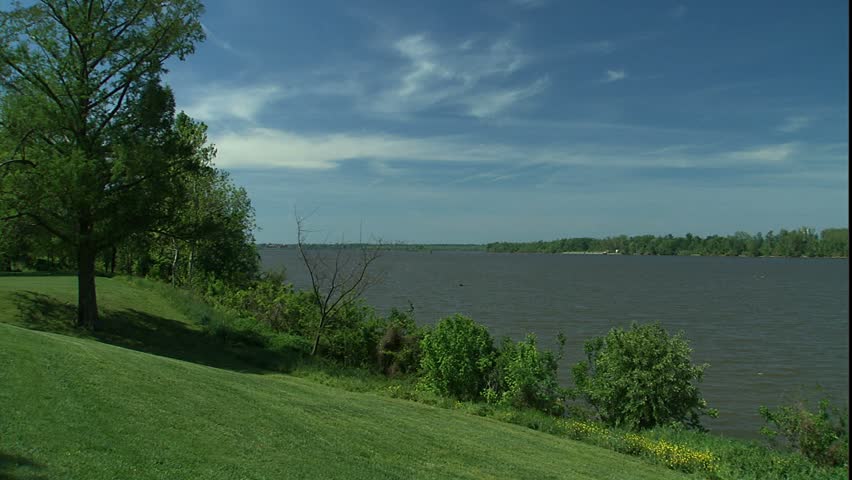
[[336, 285], [19, 160]]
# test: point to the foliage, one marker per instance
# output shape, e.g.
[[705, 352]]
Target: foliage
[[674, 455], [456, 357], [399, 347], [352, 336], [269, 301], [821, 435], [89, 124], [641, 378], [693, 451], [802, 242], [24, 248], [525, 376], [747, 459], [207, 235]]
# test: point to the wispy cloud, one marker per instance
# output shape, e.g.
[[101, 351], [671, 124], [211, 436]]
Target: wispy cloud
[[218, 102], [487, 177], [272, 148], [614, 76], [461, 76], [245, 102], [491, 103], [795, 123], [766, 154], [220, 42]]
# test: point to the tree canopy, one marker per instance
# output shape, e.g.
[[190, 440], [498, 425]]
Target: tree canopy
[[91, 149]]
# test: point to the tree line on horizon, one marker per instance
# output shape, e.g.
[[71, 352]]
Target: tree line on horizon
[[801, 242]]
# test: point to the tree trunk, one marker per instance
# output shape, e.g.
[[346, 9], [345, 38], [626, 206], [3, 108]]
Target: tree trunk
[[316, 344], [174, 263], [87, 303], [317, 338], [113, 256], [189, 268]]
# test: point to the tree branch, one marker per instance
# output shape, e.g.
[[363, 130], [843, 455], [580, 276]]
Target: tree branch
[[39, 222], [19, 160]]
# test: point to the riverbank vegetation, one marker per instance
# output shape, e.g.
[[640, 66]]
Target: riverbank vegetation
[[802, 242]]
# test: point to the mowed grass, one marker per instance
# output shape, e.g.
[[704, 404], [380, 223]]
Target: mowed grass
[[76, 407]]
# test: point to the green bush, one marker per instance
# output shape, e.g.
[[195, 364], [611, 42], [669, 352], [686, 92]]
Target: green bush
[[456, 357], [269, 301], [525, 376], [399, 347], [641, 378], [352, 336], [821, 435]]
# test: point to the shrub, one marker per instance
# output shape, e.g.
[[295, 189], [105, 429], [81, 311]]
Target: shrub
[[641, 378], [525, 376], [821, 435], [399, 347], [456, 357], [352, 335], [269, 301]]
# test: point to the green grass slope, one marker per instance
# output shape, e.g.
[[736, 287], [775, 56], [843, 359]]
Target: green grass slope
[[73, 407]]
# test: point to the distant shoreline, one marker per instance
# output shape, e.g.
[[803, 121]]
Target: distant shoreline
[[590, 253], [426, 248]]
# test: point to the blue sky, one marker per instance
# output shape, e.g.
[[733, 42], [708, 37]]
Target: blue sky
[[477, 121]]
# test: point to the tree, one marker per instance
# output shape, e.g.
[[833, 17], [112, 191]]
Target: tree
[[835, 242], [209, 231], [339, 276], [222, 244], [641, 378], [86, 117]]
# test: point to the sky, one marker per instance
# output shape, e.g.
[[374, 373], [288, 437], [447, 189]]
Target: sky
[[516, 120]]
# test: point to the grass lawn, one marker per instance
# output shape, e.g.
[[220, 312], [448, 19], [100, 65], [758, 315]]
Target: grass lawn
[[161, 402]]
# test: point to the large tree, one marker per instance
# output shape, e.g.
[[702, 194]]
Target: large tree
[[87, 128]]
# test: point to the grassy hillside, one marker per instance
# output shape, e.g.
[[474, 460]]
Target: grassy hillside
[[77, 407]]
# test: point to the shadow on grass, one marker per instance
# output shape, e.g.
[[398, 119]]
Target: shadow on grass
[[39, 274], [233, 350], [16, 467]]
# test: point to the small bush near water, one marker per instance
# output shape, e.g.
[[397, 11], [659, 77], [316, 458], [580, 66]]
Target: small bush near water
[[641, 378], [399, 348], [457, 356], [821, 435], [458, 359], [526, 377]]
